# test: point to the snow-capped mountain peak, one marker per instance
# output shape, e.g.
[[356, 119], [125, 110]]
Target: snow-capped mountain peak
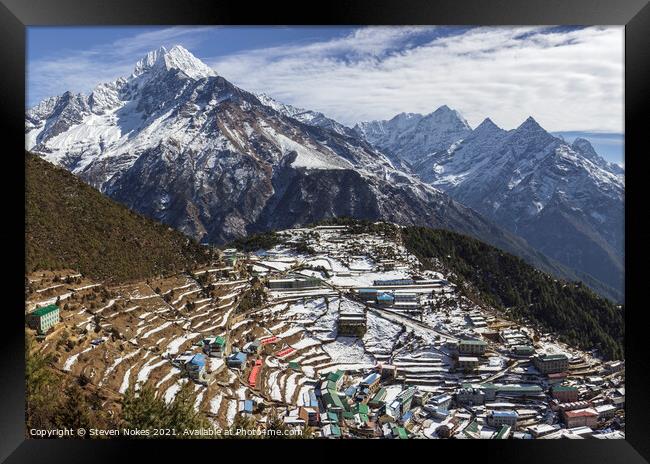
[[446, 118], [412, 136], [176, 57]]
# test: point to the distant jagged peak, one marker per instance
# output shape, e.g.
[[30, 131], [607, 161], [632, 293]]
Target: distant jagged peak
[[487, 125], [177, 57], [530, 125]]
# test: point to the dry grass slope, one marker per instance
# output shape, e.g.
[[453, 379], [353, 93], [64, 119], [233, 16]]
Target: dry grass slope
[[70, 225]]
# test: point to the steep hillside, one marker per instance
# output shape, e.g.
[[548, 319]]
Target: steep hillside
[[569, 309], [70, 225]]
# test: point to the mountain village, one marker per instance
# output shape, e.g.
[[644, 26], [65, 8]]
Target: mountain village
[[338, 331]]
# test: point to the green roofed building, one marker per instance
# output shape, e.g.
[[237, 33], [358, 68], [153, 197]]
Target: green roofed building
[[331, 385], [564, 393], [42, 319], [378, 399], [336, 430], [472, 430], [362, 408], [294, 365], [503, 433], [333, 417], [332, 399], [523, 350], [336, 377], [214, 346], [472, 346], [400, 432]]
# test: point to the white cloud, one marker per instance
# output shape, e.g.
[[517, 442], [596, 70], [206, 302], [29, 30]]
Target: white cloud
[[566, 80]]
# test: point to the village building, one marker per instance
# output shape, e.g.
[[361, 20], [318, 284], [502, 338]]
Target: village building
[[500, 418], [539, 430], [523, 350], [236, 360], [214, 346], [472, 347], [196, 368], [378, 400], [294, 283], [614, 366], [310, 415], [587, 417], [564, 393], [470, 395], [42, 319], [503, 433], [406, 297], [441, 401], [519, 390], [618, 397], [368, 293], [551, 363], [385, 299], [246, 407], [351, 324], [367, 387], [606, 411], [392, 282], [467, 363], [252, 347], [401, 404], [336, 377], [309, 398]]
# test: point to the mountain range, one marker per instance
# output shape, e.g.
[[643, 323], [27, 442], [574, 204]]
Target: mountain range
[[179, 143], [563, 199]]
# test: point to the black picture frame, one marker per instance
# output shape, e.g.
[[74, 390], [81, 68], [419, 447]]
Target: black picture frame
[[16, 15]]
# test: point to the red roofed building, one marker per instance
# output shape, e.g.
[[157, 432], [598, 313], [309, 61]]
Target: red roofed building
[[581, 417]]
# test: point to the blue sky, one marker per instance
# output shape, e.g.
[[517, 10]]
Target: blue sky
[[568, 78]]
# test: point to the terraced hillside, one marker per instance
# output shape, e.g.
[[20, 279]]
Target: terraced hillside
[[286, 309]]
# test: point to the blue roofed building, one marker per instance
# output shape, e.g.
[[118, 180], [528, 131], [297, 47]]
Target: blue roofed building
[[196, 368], [246, 406], [385, 299], [236, 360]]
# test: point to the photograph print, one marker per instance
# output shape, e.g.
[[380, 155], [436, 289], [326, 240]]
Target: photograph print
[[388, 232]]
